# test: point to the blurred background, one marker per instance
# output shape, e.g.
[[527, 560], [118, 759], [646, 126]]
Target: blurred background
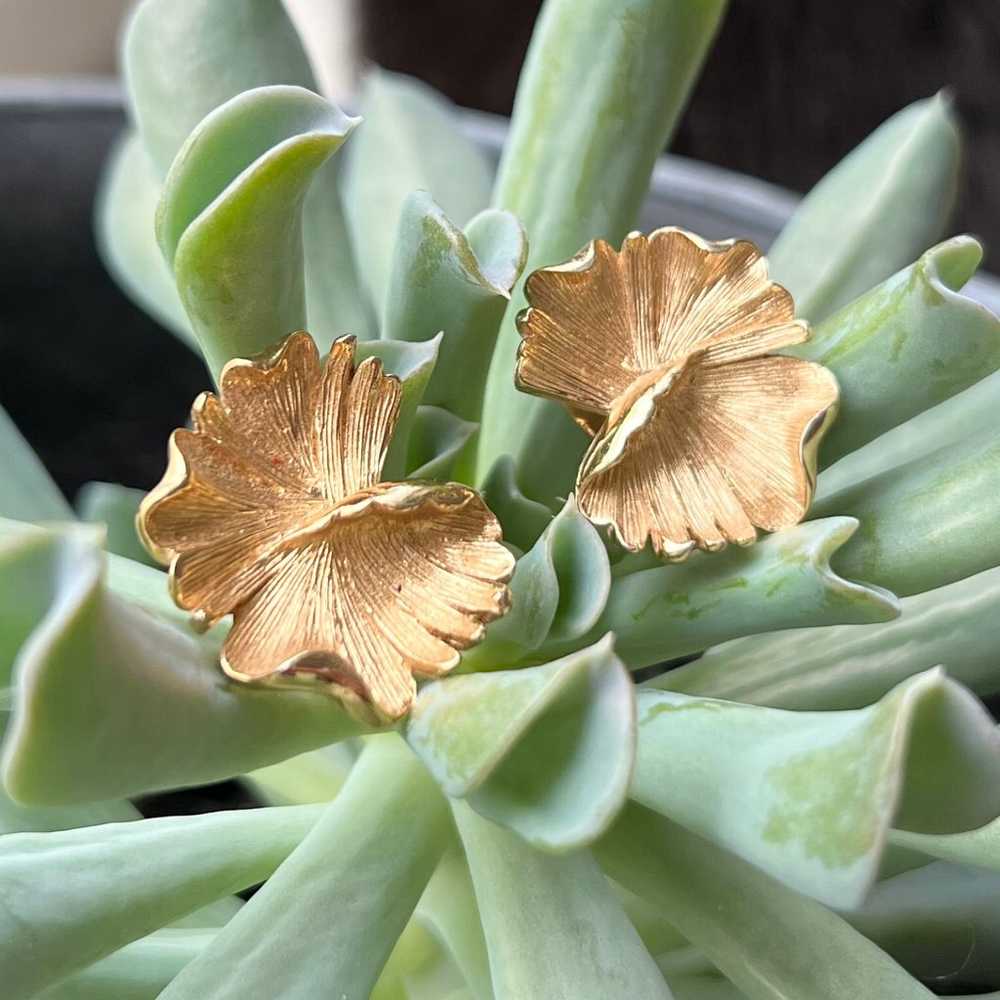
[[791, 86]]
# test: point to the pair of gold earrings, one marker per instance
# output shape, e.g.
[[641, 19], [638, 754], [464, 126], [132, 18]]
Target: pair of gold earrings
[[272, 509]]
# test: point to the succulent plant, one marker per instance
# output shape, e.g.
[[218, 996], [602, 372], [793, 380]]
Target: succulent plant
[[763, 772]]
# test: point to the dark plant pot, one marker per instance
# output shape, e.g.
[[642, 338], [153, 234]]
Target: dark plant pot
[[95, 384]]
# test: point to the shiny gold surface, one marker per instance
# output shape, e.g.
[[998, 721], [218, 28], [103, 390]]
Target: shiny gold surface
[[660, 352], [271, 510]]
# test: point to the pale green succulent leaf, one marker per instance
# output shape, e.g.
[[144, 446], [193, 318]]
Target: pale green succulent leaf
[[448, 910], [770, 941], [27, 492], [941, 922], [419, 968], [500, 246], [115, 507], [923, 524], [783, 581], [945, 424], [976, 848], [139, 971], [552, 924], [126, 238], [848, 666], [658, 935], [184, 58], [15, 818], [230, 217], [413, 364], [411, 141], [336, 302], [437, 440], [810, 797], [115, 883], [558, 592], [598, 99], [881, 206], [107, 697], [704, 987], [547, 751], [31, 562], [334, 910], [905, 346], [437, 283], [523, 519], [316, 776]]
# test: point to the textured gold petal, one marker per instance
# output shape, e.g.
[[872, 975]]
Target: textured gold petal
[[599, 321], [715, 452], [578, 344], [354, 420], [285, 440], [394, 583], [266, 412]]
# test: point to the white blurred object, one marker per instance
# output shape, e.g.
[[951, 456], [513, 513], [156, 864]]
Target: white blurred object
[[72, 37], [329, 31], [42, 37]]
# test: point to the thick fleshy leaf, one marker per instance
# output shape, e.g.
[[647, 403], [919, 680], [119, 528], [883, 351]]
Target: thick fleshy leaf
[[553, 926], [27, 492], [597, 102], [783, 581], [333, 911], [230, 218], [311, 777], [115, 507], [924, 524], [116, 883], [945, 424], [704, 987], [657, 933], [558, 592], [413, 365], [437, 439], [138, 583], [547, 751], [809, 797], [941, 922], [847, 666], [881, 206], [31, 562], [438, 283], [523, 519], [336, 302], [411, 141], [183, 58], [139, 971], [15, 818], [978, 848], [448, 910], [107, 697], [905, 346], [419, 968], [126, 235], [772, 942]]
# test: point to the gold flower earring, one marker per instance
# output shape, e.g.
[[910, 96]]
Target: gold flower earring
[[271, 510], [661, 353]]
